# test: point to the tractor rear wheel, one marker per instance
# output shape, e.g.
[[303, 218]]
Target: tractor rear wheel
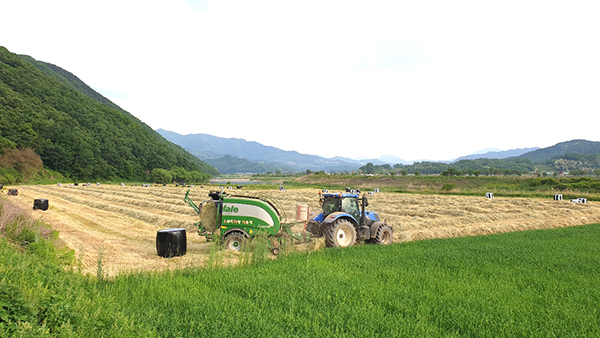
[[235, 241], [340, 234], [385, 235]]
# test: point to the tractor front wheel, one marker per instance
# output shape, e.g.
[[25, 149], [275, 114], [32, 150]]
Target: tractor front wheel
[[235, 241], [340, 234]]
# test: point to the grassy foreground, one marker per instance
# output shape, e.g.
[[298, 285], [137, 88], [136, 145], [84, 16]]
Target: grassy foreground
[[534, 283]]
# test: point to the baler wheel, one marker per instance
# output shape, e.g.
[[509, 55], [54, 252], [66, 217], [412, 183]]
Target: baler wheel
[[235, 241], [340, 234], [385, 235]]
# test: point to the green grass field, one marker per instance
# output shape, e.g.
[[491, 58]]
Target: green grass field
[[534, 283]]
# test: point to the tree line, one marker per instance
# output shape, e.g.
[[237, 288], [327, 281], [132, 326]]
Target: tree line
[[483, 167]]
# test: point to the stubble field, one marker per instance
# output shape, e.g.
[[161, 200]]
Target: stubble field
[[117, 225]]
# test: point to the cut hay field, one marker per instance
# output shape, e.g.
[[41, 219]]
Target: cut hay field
[[118, 225]]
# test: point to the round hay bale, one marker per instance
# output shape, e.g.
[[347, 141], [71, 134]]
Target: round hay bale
[[13, 192], [208, 216], [40, 204], [171, 242]]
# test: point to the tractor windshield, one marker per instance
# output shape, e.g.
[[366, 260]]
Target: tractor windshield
[[331, 204], [350, 205], [347, 204]]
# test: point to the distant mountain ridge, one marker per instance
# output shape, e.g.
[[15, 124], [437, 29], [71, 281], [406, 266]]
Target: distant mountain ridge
[[391, 159], [238, 155], [497, 154], [212, 148]]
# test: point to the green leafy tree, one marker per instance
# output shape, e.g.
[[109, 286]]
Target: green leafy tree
[[451, 172], [161, 176]]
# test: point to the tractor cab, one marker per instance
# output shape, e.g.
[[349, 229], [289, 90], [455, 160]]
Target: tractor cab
[[346, 203]]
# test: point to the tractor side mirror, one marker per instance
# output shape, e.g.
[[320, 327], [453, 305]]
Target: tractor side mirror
[[365, 201]]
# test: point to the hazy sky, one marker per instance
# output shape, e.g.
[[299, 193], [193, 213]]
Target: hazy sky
[[416, 79]]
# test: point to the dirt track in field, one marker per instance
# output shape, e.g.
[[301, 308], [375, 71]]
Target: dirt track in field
[[118, 224]]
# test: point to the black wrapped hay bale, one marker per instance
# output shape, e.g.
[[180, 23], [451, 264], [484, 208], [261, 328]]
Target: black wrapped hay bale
[[40, 204], [171, 242], [13, 192]]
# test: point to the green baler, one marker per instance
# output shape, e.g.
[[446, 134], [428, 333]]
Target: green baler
[[237, 218]]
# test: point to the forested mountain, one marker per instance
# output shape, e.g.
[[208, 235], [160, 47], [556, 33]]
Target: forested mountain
[[559, 150], [76, 131]]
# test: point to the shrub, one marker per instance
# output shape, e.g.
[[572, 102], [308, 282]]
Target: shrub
[[14, 308], [24, 161], [549, 181]]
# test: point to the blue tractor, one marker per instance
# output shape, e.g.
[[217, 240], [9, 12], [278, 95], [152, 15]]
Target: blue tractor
[[344, 221]]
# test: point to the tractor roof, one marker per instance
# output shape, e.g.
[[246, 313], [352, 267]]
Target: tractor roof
[[343, 195]]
